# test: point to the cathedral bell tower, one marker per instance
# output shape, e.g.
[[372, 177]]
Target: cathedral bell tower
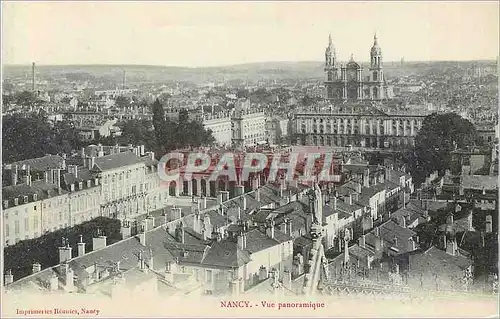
[[331, 69], [376, 71]]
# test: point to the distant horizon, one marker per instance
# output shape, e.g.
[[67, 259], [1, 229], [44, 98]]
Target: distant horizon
[[237, 64]]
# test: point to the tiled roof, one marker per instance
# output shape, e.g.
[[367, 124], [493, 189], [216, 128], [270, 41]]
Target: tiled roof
[[225, 253], [216, 219], [83, 174], [478, 182], [257, 240], [388, 231], [356, 169], [303, 241], [42, 163], [436, 260], [412, 210], [110, 162]]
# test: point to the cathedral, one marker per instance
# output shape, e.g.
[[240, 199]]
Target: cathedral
[[347, 82]]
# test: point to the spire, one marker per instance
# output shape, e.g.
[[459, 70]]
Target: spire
[[352, 57], [330, 44], [375, 42]]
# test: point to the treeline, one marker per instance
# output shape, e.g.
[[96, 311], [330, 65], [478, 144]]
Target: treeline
[[31, 136], [439, 135], [45, 250], [170, 135]]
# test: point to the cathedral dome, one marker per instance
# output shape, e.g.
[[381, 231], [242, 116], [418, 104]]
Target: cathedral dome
[[375, 48], [352, 64]]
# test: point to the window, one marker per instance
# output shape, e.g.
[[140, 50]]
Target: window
[[16, 227], [209, 276], [6, 230], [26, 224], [35, 222]]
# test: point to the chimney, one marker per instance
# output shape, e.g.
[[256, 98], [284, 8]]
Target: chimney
[[377, 231], [142, 150], [289, 227], [142, 234], [27, 180], [56, 177], [449, 220], [242, 241], [141, 262], [451, 247], [263, 273], [287, 279], [235, 287], [469, 221], [81, 247], [411, 244], [244, 202], [99, 242], [225, 196], [378, 244], [14, 175], [36, 268], [402, 221], [68, 277], [64, 252], [46, 177], [219, 198], [203, 202], [91, 162], [361, 241], [8, 278], [257, 194], [239, 212], [73, 169], [489, 224], [239, 190], [270, 229], [54, 282]]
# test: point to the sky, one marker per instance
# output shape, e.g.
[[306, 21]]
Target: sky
[[197, 34]]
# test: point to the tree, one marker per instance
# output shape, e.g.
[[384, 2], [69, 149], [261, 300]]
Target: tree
[[307, 100], [122, 102], [138, 132], [36, 132], [439, 135], [26, 98]]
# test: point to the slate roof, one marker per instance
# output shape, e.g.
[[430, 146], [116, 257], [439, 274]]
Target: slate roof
[[412, 210], [114, 161], [41, 188], [43, 163], [125, 251], [436, 260], [478, 182], [388, 231], [225, 253]]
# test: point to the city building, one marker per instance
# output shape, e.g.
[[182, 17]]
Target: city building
[[248, 127], [362, 126], [348, 82], [221, 127]]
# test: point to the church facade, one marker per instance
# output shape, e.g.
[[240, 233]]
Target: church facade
[[348, 82]]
